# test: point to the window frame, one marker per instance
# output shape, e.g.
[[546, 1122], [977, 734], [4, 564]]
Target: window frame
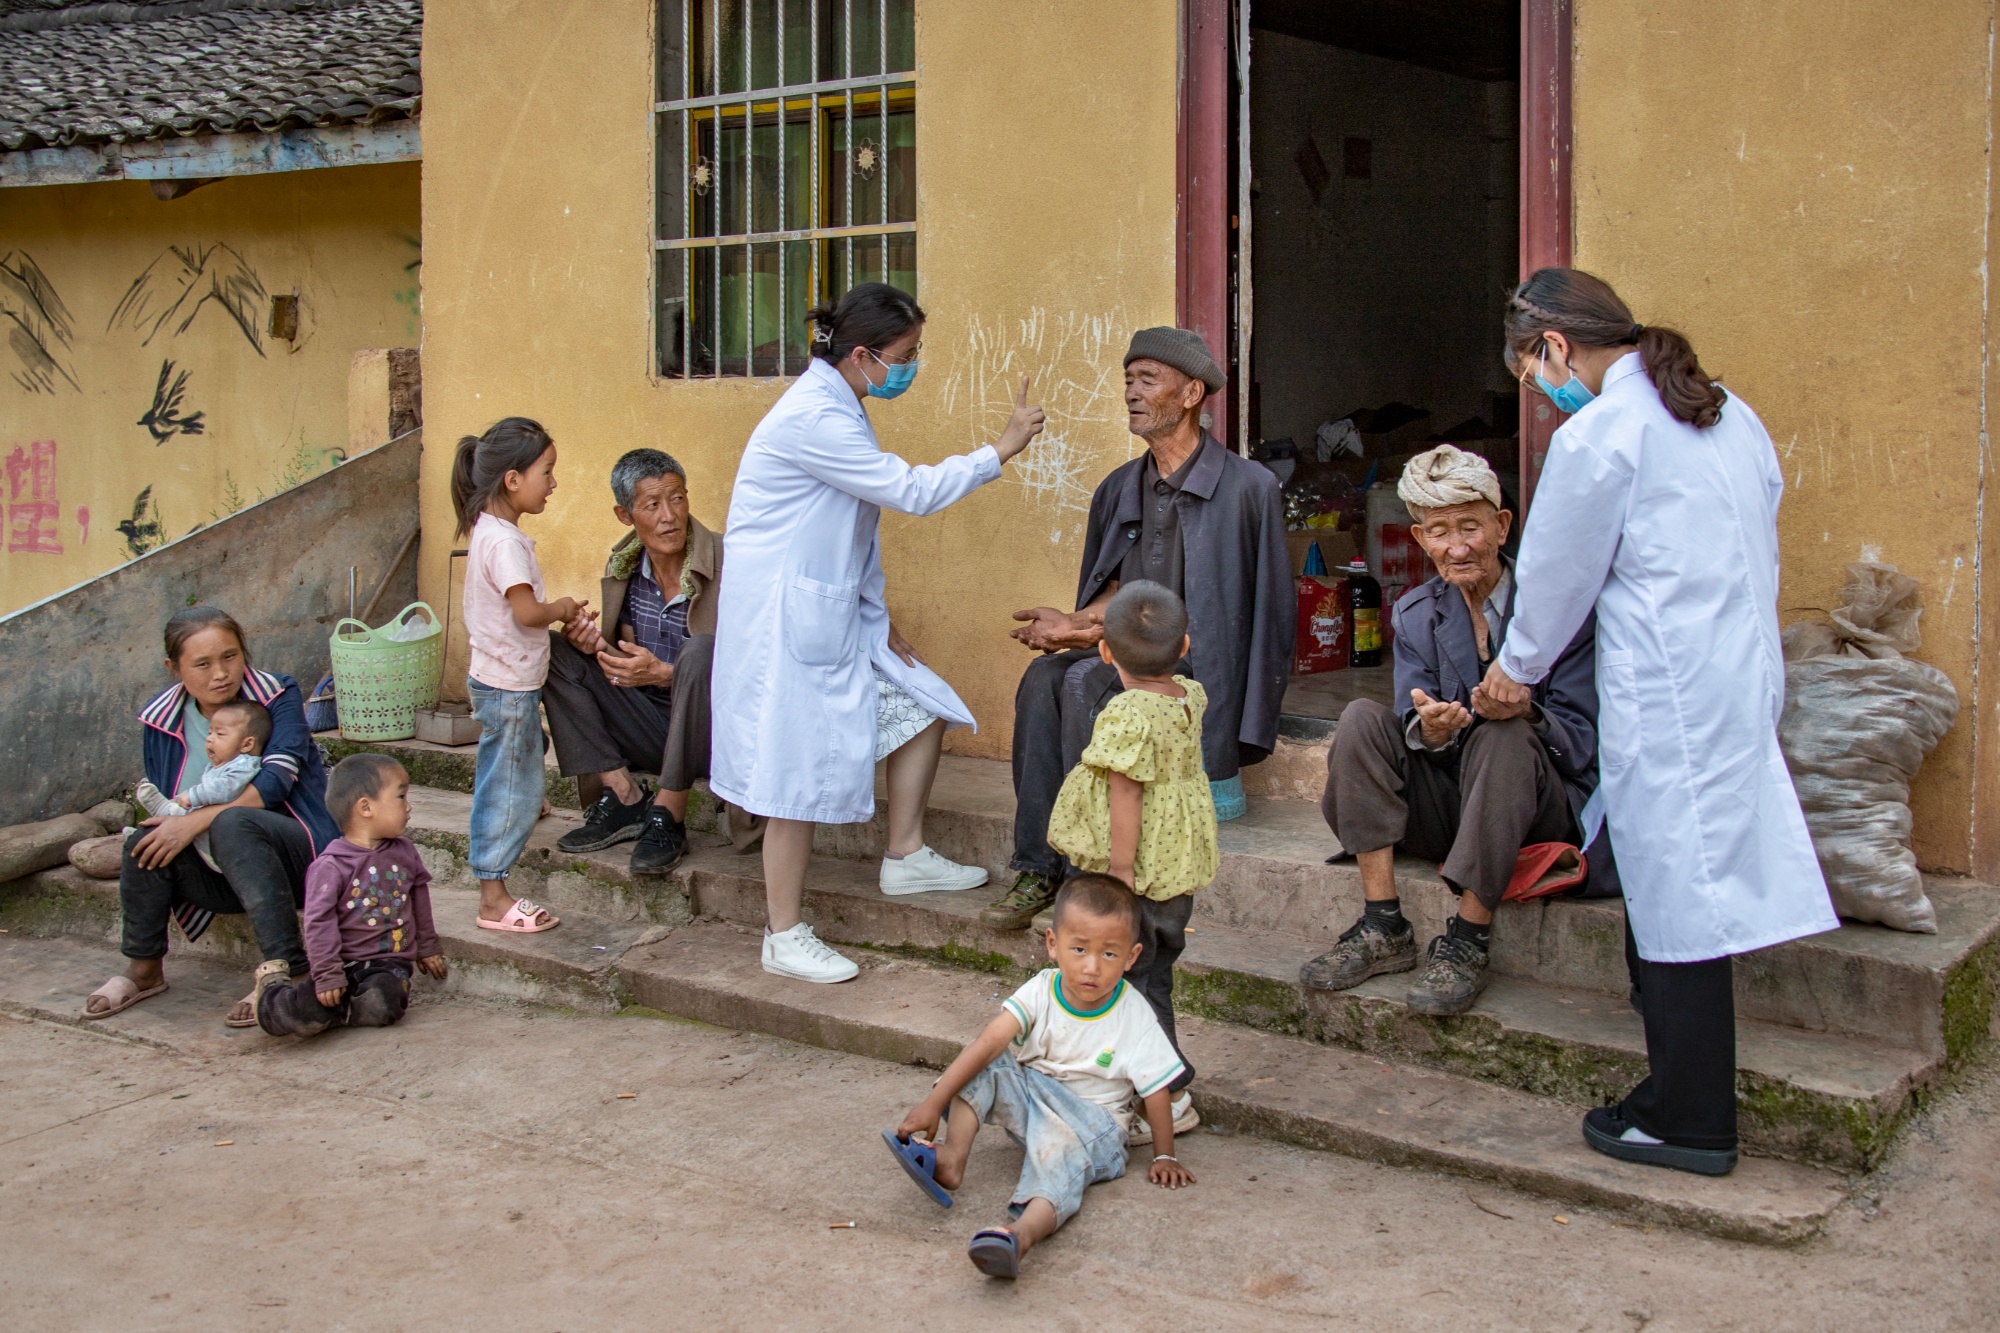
[[816, 107]]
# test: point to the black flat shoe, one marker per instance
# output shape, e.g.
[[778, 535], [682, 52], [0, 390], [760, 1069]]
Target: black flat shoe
[[662, 843], [1604, 1129], [608, 822]]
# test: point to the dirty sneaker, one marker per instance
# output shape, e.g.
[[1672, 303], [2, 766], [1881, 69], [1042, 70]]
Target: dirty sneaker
[[1186, 1121], [1452, 979], [607, 822], [1030, 894], [662, 842], [1366, 949]]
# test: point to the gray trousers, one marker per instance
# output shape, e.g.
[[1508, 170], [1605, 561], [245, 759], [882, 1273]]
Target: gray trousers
[[599, 727], [1472, 807]]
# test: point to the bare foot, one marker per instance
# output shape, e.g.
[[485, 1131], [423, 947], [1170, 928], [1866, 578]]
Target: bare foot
[[243, 1011], [547, 809]]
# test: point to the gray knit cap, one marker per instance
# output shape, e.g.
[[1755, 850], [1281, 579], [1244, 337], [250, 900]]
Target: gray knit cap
[[1182, 349]]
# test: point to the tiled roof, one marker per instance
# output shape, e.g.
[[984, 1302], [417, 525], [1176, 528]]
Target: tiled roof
[[111, 73]]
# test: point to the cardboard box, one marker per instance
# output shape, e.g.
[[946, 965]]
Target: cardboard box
[[1325, 626], [1336, 548]]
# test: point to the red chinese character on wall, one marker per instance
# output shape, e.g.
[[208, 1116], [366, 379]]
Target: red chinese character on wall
[[32, 509]]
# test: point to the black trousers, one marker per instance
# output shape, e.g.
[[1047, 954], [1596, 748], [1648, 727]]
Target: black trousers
[[263, 855], [1472, 808], [599, 727], [1163, 932], [377, 994], [1055, 707], [1688, 1097]]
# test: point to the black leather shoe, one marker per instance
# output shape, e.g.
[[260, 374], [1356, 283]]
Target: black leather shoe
[[607, 822], [662, 843], [1604, 1129]]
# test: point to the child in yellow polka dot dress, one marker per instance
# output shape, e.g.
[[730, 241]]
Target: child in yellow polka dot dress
[[1137, 807]]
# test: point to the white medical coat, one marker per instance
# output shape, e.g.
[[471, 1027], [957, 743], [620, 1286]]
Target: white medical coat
[[1671, 533], [801, 620]]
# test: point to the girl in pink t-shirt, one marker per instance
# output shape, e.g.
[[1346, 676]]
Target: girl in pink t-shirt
[[497, 477]]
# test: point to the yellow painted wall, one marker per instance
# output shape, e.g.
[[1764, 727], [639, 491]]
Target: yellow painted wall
[[1802, 186], [114, 302], [1045, 170]]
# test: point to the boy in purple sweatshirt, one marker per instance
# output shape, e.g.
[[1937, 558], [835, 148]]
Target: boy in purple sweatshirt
[[367, 914]]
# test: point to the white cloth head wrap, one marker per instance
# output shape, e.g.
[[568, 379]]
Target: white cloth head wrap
[[1447, 475]]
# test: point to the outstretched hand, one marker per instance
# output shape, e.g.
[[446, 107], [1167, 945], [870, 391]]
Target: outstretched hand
[[1500, 696], [1439, 721], [1023, 425]]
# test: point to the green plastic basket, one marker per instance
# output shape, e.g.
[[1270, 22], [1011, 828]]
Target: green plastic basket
[[381, 681]]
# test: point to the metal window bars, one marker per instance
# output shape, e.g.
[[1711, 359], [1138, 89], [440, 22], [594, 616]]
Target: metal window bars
[[784, 137]]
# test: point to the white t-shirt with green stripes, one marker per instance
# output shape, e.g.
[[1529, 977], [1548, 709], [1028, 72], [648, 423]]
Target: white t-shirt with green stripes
[[1108, 1055]]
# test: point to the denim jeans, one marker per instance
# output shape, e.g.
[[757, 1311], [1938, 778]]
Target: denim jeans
[[1071, 1143], [262, 855], [507, 779]]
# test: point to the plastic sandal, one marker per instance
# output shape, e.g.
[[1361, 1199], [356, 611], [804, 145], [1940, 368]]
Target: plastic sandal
[[919, 1161], [995, 1253], [121, 993], [520, 920]]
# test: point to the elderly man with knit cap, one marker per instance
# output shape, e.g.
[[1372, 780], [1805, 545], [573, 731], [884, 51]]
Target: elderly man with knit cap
[[1450, 774], [1208, 524]]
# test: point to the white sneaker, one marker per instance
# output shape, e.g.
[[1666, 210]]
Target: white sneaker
[[1186, 1119], [803, 956], [924, 870]]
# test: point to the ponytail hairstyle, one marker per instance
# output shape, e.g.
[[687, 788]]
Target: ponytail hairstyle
[[871, 315], [1583, 308], [479, 472]]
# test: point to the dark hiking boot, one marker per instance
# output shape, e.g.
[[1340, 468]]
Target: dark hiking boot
[[662, 843], [1030, 894], [1366, 949], [1606, 1129], [1452, 979], [608, 822]]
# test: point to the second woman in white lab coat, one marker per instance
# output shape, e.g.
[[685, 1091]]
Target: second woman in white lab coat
[[812, 684], [1658, 508]]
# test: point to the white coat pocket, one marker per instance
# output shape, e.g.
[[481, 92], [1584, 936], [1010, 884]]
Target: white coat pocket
[[1618, 728], [822, 621]]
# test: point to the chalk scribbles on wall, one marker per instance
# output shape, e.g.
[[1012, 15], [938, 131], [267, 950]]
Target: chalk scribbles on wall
[[39, 332], [164, 419], [144, 530], [1077, 361], [177, 286]]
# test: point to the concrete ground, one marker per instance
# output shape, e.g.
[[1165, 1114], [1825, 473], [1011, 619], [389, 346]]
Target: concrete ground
[[475, 1166]]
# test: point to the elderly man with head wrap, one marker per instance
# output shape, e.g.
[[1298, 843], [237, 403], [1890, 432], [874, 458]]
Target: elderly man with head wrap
[[1451, 775]]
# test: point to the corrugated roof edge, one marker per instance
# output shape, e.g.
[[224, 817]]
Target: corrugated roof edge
[[45, 19]]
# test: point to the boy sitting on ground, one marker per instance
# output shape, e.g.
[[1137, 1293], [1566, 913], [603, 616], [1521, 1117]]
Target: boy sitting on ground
[[1058, 1070], [367, 914], [238, 731]]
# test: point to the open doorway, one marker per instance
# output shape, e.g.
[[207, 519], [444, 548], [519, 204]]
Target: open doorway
[[1384, 233]]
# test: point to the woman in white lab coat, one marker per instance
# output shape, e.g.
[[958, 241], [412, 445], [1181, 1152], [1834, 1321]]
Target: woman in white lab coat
[[812, 685], [1658, 508]]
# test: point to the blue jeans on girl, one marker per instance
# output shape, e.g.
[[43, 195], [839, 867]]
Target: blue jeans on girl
[[507, 779]]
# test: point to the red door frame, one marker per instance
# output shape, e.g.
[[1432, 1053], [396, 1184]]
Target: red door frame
[[1202, 193], [1546, 220], [1204, 202]]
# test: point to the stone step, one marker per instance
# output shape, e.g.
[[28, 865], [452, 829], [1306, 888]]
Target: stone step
[[912, 1012], [1804, 1095], [1930, 993]]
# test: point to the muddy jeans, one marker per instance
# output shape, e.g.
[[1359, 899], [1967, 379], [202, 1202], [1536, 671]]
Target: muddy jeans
[[377, 994], [1072, 1143], [1473, 807]]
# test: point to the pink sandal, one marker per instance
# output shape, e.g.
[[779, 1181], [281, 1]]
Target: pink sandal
[[122, 992], [520, 920]]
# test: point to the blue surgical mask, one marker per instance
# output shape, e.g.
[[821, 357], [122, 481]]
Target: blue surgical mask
[[1571, 396], [896, 379]]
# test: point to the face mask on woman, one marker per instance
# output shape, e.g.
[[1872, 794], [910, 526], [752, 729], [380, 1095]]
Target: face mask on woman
[[896, 379], [1571, 396]]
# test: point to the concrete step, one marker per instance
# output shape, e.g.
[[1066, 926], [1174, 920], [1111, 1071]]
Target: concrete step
[[1933, 994], [910, 1011], [1803, 1095]]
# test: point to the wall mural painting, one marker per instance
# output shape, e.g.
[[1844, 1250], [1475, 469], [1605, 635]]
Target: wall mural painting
[[164, 419], [33, 509], [179, 285], [1076, 360], [39, 336], [144, 530]]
